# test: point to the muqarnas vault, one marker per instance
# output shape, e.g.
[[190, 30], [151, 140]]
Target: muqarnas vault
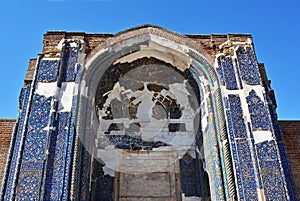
[[147, 114]]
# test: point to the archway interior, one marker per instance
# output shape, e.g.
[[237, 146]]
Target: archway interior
[[149, 141]]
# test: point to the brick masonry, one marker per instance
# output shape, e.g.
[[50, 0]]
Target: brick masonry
[[291, 132], [6, 129]]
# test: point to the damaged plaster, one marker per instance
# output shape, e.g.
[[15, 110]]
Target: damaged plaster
[[163, 115]]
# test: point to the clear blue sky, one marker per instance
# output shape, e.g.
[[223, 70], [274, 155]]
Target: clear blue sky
[[274, 25]]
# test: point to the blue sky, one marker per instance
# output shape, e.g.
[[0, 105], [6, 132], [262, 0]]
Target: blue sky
[[274, 25]]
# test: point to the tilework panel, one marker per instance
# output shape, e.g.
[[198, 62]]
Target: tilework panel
[[283, 157], [78, 73], [69, 152], [236, 122], [102, 185], [28, 188], [242, 151], [273, 185], [84, 175], [270, 171], [220, 73], [34, 149], [246, 170], [248, 65], [227, 73], [35, 146], [22, 95], [57, 158], [267, 154], [290, 180], [69, 64], [189, 175], [258, 112], [17, 151], [39, 115], [48, 70]]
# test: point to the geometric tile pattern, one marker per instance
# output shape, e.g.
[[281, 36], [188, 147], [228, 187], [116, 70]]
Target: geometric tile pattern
[[236, 122], [28, 188], [69, 64], [17, 151], [246, 170], [258, 112], [242, 150], [283, 156], [248, 65], [48, 70], [226, 72], [272, 179], [57, 158], [35, 147]]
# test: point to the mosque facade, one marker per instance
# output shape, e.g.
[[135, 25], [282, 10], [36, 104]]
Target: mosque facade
[[147, 114]]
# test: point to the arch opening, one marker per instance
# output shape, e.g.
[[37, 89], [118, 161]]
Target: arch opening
[[96, 117], [148, 113]]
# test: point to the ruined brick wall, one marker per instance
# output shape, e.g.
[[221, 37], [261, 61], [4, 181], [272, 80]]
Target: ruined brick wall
[[291, 131], [6, 129]]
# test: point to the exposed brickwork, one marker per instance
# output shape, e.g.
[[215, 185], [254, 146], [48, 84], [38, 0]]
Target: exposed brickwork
[[30, 71], [263, 73], [291, 131], [209, 43], [6, 129]]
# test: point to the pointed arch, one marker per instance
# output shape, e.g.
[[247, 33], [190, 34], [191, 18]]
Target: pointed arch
[[184, 54]]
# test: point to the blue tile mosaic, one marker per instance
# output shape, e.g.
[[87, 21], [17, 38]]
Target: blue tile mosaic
[[189, 175], [290, 181], [227, 73], [258, 112], [242, 151], [35, 145], [17, 152], [246, 170], [32, 165], [22, 95], [69, 152], [78, 72], [220, 72], [28, 188], [48, 70], [69, 64], [57, 159], [267, 154], [248, 65], [236, 122], [102, 185], [84, 175], [39, 115], [270, 170], [34, 149], [273, 185]]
